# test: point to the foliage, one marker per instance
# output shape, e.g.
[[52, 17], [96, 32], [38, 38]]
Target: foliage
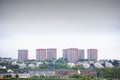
[[76, 67], [82, 60], [52, 65], [81, 77], [58, 64], [29, 61], [44, 78], [77, 76], [108, 73], [61, 60], [9, 65], [21, 70], [16, 76], [115, 63], [3, 70], [12, 66], [7, 77]]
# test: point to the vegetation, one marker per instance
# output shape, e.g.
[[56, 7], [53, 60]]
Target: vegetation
[[71, 77], [82, 60], [109, 73], [76, 67], [7, 77], [3, 71], [51, 65], [16, 76], [58, 64], [45, 78], [102, 73], [81, 77], [9, 65], [29, 61], [115, 63]]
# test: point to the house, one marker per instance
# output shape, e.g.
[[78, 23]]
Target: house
[[88, 72]]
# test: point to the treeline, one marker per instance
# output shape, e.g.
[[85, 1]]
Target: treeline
[[70, 77], [51, 65], [109, 73], [9, 65], [58, 64], [45, 78], [81, 77]]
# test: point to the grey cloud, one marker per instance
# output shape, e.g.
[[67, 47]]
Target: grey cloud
[[59, 16]]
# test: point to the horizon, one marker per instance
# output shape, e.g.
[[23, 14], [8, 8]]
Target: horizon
[[60, 24], [85, 53]]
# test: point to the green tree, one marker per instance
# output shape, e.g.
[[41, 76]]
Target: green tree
[[81, 77], [57, 65], [16, 76], [45, 78], [76, 76], [115, 63], [76, 67], [109, 73], [8, 77]]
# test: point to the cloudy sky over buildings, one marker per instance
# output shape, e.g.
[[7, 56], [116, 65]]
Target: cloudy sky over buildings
[[32, 24]]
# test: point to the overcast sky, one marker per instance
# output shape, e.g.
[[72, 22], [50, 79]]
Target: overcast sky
[[83, 24]]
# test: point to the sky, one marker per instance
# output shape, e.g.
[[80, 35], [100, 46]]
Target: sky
[[83, 24]]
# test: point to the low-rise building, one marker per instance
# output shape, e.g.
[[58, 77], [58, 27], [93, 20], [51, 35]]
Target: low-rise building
[[88, 72]]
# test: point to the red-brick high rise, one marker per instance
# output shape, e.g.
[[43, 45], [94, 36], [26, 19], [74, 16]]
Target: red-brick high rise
[[71, 54], [81, 54], [65, 53], [92, 54], [22, 55], [40, 54], [51, 53]]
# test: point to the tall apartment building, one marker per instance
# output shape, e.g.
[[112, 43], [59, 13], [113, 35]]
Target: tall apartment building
[[22, 55], [65, 53], [51, 53], [73, 54], [92, 54], [81, 54], [40, 54]]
